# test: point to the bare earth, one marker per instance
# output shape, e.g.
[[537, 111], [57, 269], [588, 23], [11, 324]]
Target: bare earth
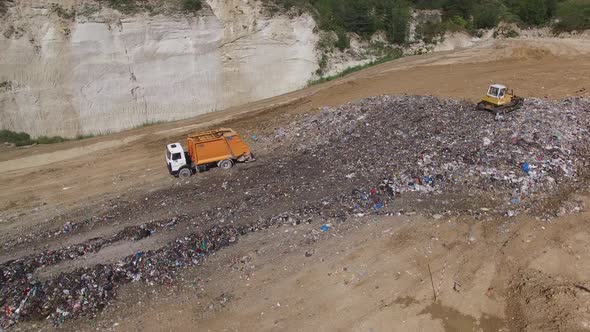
[[368, 274]]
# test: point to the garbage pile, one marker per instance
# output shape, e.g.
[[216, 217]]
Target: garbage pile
[[86, 291], [423, 144]]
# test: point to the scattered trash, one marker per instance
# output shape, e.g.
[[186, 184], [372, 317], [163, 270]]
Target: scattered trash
[[67, 227], [281, 133], [416, 147]]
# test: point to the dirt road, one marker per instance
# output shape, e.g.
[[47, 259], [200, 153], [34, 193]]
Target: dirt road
[[361, 273]]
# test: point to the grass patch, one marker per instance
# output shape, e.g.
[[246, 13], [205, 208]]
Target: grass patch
[[147, 124], [22, 138], [353, 69]]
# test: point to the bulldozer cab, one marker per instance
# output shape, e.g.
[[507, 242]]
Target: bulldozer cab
[[498, 95], [498, 99], [497, 91]]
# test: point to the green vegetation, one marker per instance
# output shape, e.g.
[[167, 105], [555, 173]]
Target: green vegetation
[[22, 139], [365, 17], [154, 7], [66, 14], [5, 85], [351, 70], [487, 15], [128, 7], [573, 15], [148, 123], [191, 5], [19, 139]]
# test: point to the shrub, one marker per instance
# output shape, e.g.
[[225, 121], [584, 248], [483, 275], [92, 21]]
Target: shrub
[[191, 5], [429, 32], [531, 12], [22, 138], [573, 15], [66, 14], [124, 6], [394, 55], [462, 8], [512, 34], [487, 15], [363, 17], [397, 20], [19, 139], [343, 42], [457, 23]]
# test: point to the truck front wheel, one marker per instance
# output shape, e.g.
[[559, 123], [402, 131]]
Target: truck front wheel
[[226, 164], [185, 173]]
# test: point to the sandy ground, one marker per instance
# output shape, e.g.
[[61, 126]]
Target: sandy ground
[[371, 275]]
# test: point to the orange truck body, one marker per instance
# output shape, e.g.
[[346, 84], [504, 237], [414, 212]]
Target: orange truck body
[[217, 145]]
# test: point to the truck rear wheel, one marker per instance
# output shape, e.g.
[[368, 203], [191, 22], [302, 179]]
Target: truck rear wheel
[[226, 164], [185, 173]]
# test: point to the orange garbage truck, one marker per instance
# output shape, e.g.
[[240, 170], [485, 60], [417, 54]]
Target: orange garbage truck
[[222, 147]]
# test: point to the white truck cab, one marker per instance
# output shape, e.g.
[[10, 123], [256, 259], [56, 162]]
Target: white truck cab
[[176, 159]]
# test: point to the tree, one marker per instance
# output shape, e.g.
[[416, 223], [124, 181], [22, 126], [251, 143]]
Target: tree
[[396, 21], [532, 12], [356, 16], [463, 8], [573, 15], [487, 15]]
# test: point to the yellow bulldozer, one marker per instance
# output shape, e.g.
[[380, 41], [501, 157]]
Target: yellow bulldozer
[[499, 100]]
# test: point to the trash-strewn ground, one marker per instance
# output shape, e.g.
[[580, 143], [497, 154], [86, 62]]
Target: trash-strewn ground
[[371, 273], [336, 224], [383, 157]]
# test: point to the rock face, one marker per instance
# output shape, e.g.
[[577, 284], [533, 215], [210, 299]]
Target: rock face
[[102, 71]]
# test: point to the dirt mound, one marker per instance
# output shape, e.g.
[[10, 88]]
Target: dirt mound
[[540, 302], [530, 53]]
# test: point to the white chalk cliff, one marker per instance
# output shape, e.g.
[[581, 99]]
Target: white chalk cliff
[[106, 72]]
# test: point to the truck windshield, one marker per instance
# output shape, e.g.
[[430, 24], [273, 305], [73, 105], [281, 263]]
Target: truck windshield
[[176, 156], [168, 154]]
